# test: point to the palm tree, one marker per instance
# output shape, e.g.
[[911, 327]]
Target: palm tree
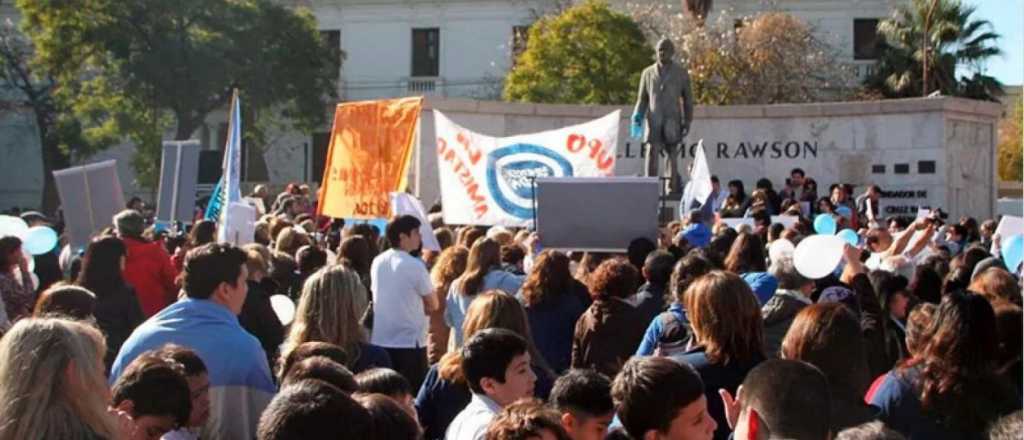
[[941, 35]]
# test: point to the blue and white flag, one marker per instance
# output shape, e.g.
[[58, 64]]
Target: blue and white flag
[[228, 189]]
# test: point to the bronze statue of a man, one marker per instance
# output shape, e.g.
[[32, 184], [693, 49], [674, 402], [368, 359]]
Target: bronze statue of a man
[[662, 85]]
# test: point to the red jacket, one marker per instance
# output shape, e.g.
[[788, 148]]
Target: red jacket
[[149, 270]]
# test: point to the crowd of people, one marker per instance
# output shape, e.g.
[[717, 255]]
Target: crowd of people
[[701, 334]]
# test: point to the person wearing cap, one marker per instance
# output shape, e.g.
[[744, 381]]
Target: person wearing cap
[[148, 267], [696, 232]]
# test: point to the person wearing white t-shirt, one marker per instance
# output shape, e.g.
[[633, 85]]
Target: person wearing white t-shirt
[[403, 295]]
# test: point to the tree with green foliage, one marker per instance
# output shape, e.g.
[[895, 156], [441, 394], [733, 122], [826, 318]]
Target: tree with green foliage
[[922, 45], [31, 88], [1011, 145], [134, 69], [588, 54]]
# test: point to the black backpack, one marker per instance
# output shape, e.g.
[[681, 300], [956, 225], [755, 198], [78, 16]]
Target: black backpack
[[674, 337]]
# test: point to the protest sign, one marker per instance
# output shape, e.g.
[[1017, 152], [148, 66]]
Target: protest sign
[[785, 220], [601, 214], [90, 196], [368, 157], [489, 180], [179, 174], [242, 228], [1010, 225]]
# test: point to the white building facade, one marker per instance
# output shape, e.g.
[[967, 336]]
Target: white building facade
[[394, 48]]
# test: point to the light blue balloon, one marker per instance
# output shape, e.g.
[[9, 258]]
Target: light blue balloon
[[844, 211], [825, 224], [1013, 252], [39, 240], [849, 236]]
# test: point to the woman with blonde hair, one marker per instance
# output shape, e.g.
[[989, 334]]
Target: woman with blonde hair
[[444, 392], [52, 384], [483, 272], [728, 337], [327, 312], [996, 284], [450, 265], [289, 240]]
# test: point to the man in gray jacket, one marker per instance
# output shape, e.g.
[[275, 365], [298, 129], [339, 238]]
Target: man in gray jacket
[[793, 294], [662, 85]]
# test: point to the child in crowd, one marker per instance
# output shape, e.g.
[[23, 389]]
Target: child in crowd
[[153, 392], [198, 386], [780, 399], [527, 419], [496, 363], [659, 398], [583, 399], [389, 383], [321, 368], [311, 409]]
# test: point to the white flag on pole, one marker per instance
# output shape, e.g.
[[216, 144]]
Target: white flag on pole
[[699, 187], [227, 229]]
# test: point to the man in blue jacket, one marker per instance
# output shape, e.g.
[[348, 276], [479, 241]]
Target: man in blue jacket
[[206, 321]]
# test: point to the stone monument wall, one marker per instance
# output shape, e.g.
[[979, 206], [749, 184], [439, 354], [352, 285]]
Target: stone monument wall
[[928, 152]]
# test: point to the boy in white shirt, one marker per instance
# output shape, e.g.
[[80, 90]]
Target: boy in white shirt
[[496, 365]]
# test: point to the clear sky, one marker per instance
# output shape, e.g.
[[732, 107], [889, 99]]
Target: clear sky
[[1007, 17]]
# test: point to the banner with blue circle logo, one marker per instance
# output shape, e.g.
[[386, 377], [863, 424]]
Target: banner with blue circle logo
[[489, 180]]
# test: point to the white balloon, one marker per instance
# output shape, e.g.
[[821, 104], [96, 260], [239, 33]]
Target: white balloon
[[284, 308], [780, 249], [818, 255], [13, 226]]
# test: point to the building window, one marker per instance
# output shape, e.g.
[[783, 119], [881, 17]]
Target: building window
[[520, 35], [901, 168], [332, 39], [321, 142], [878, 169], [865, 38], [426, 52], [926, 167]]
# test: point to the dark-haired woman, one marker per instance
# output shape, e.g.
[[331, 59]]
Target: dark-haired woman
[[118, 311], [828, 336], [951, 390], [16, 289], [551, 298]]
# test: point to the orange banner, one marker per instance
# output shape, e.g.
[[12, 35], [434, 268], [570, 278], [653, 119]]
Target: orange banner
[[369, 156]]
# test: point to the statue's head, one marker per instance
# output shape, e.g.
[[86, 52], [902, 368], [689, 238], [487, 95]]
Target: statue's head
[[666, 51]]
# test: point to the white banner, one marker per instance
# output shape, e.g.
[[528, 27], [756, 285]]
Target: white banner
[[489, 181]]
